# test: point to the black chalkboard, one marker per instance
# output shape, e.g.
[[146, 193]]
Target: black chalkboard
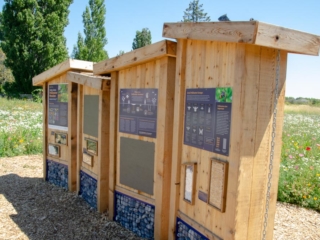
[[91, 115], [137, 164]]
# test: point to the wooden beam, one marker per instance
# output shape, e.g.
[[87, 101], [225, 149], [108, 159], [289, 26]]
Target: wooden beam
[[240, 32], [250, 32], [96, 82], [113, 140], [287, 39], [70, 64], [103, 156], [138, 56], [177, 137], [45, 128], [72, 136], [80, 135]]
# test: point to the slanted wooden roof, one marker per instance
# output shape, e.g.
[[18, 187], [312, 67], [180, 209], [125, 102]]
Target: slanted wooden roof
[[70, 64], [138, 56], [249, 32], [97, 82]]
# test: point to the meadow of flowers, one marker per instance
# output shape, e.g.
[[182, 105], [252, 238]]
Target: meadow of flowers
[[20, 127], [299, 181]]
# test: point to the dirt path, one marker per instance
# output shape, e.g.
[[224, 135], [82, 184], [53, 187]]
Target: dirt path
[[33, 209]]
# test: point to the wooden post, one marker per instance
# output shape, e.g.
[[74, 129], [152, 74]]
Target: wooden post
[[177, 138], [113, 140], [72, 129], [79, 135], [103, 159], [45, 128]]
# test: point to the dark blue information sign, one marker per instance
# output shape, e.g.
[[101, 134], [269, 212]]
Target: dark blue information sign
[[208, 119], [58, 106], [138, 111]]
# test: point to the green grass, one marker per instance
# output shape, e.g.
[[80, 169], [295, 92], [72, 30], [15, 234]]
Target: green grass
[[299, 181], [20, 127]]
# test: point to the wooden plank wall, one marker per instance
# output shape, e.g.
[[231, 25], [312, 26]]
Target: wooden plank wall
[[100, 164], [250, 71], [158, 74], [94, 169]]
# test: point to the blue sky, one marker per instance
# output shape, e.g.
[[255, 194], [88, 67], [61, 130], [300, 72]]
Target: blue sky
[[125, 17]]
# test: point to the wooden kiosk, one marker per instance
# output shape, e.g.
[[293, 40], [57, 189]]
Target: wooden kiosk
[[143, 86], [229, 78], [60, 122], [93, 137]]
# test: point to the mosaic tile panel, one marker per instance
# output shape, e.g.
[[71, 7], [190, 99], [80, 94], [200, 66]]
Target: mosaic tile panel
[[57, 174], [185, 232], [135, 215], [88, 189]]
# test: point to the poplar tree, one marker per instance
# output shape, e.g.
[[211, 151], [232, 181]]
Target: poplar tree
[[32, 38], [142, 38], [91, 47], [6, 76], [194, 13]]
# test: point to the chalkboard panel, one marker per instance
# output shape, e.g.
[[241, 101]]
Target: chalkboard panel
[[137, 164], [91, 115]]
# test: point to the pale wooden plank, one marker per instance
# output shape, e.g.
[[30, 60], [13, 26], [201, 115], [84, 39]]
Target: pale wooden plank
[[138, 56], [250, 32], [164, 146], [262, 142], [70, 64], [229, 218], [197, 80], [287, 39], [238, 32], [248, 113], [187, 154], [113, 140], [177, 139], [96, 82], [278, 141]]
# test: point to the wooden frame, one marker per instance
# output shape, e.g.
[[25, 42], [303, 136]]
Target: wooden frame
[[218, 182], [53, 150], [92, 146], [190, 171], [251, 32], [61, 138], [87, 158]]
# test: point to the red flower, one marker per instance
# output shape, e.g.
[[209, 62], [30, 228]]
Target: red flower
[[308, 148]]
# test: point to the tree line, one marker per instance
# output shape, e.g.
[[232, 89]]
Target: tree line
[[32, 40]]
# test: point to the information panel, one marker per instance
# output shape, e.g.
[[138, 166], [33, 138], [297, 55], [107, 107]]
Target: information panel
[[138, 111], [208, 119], [58, 106]]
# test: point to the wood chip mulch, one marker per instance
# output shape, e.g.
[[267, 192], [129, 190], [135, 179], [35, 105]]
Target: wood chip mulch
[[31, 208]]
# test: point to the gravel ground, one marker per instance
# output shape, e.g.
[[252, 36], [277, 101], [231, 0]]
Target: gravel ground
[[33, 209]]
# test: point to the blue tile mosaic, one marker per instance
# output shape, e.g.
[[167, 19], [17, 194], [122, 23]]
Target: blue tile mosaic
[[57, 174], [135, 215], [185, 232], [88, 189]]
